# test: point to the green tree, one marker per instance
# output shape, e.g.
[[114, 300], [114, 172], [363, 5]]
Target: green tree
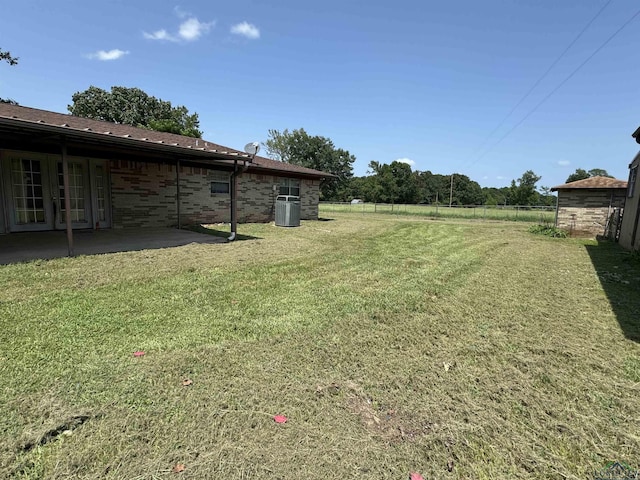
[[430, 187], [132, 106], [599, 172], [524, 192], [466, 191], [547, 198], [300, 148], [581, 174], [6, 56], [393, 183], [496, 196]]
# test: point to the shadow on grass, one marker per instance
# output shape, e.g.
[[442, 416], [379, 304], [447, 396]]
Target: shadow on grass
[[619, 274], [219, 233]]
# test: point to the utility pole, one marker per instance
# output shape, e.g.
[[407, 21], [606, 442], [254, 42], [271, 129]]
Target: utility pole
[[451, 191]]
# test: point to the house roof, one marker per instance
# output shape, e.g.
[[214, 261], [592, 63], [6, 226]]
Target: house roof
[[593, 183], [21, 118], [636, 135]]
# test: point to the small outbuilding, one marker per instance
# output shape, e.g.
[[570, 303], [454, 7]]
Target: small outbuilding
[[590, 206]]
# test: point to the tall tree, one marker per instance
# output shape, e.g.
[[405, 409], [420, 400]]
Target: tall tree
[[11, 60], [300, 148], [7, 57], [132, 106], [524, 192], [599, 172], [466, 191], [581, 174], [393, 183]]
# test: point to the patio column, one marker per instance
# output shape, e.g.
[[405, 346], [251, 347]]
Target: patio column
[[234, 200], [67, 196], [178, 192]]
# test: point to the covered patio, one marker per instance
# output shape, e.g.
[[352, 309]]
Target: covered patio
[[28, 246]]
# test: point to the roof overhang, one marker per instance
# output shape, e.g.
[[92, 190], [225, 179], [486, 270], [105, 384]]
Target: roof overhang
[[46, 133], [636, 135], [22, 134]]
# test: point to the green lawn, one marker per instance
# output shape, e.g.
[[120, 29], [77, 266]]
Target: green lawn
[[393, 344]]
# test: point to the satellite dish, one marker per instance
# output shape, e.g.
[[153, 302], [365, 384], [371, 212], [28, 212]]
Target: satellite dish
[[252, 148]]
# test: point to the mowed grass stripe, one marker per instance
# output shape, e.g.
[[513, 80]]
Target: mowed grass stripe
[[191, 309], [532, 388]]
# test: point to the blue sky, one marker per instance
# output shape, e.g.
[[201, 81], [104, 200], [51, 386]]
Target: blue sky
[[426, 81]]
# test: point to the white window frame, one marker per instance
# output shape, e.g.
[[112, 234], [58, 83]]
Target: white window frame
[[219, 179], [289, 186]]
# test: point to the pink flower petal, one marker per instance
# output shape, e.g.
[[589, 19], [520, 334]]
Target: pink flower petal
[[280, 419], [139, 353], [415, 476]]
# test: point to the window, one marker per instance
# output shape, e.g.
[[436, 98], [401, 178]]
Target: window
[[220, 183], [289, 186], [633, 174]]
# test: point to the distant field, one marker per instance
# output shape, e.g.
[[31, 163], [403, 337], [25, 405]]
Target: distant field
[[481, 212], [393, 344]]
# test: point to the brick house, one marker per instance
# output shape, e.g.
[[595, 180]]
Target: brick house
[[630, 230], [587, 206], [120, 176]]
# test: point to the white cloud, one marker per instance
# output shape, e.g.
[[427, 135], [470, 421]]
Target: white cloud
[[564, 163], [192, 29], [408, 161], [160, 35], [104, 55], [189, 30], [246, 30], [500, 177]]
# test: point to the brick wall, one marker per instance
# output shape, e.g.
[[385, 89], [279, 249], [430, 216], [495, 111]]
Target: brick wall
[[144, 195], [587, 210]]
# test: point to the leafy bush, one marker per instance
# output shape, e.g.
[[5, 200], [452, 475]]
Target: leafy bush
[[548, 230]]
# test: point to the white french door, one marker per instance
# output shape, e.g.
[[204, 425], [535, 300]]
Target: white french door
[[28, 193], [35, 193], [79, 195]]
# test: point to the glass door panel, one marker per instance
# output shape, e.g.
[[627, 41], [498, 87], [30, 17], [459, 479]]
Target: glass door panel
[[28, 194], [77, 193]]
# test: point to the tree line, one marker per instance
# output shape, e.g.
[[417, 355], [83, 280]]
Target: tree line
[[397, 183]]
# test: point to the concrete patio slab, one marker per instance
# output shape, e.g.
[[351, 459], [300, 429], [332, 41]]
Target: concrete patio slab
[[27, 246]]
